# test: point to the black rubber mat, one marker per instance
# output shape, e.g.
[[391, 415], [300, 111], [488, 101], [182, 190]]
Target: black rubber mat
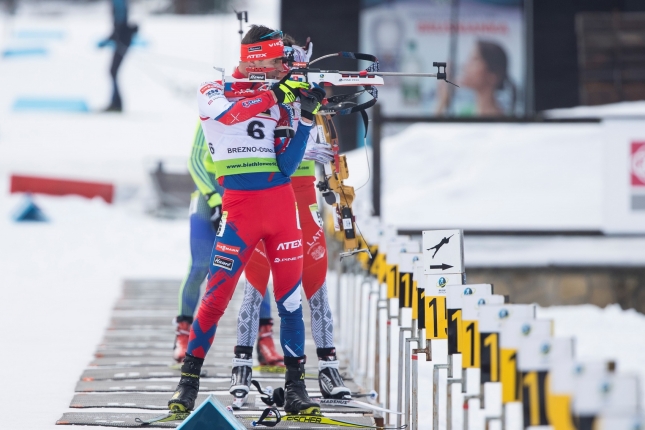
[[133, 362], [169, 385], [166, 341], [170, 314], [135, 304], [129, 322], [148, 373], [114, 345], [156, 353], [138, 293], [156, 323], [156, 335], [211, 360], [160, 402], [111, 419], [214, 359], [223, 348], [154, 303], [144, 385], [151, 283], [104, 373], [167, 330], [128, 400], [128, 420], [128, 353]]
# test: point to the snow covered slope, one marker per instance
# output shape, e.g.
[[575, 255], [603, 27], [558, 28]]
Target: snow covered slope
[[60, 279], [491, 176]]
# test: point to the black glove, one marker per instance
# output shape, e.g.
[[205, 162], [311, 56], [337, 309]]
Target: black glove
[[286, 91], [311, 101], [216, 217]]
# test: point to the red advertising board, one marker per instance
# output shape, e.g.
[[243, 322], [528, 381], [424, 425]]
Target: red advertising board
[[637, 164]]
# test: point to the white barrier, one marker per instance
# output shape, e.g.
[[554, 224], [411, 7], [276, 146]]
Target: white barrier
[[494, 365]]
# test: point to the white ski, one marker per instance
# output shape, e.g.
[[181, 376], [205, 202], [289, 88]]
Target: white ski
[[353, 404]]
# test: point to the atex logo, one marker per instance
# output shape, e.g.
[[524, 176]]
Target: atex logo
[[223, 262], [290, 245], [256, 56]]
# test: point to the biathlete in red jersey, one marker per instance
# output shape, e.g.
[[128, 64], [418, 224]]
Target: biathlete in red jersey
[[259, 205]]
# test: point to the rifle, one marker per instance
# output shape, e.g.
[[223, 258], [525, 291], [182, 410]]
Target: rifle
[[332, 187], [342, 104]]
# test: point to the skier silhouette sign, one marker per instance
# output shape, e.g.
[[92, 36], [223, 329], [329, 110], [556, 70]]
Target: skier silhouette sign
[[443, 252]]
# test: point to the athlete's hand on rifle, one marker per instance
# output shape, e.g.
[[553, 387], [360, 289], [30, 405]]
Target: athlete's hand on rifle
[[319, 152], [311, 101], [287, 91]]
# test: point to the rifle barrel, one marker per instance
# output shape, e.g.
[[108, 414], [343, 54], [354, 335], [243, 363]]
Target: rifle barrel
[[420, 75]]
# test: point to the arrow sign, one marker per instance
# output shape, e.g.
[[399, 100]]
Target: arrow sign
[[443, 252], [442, 266]]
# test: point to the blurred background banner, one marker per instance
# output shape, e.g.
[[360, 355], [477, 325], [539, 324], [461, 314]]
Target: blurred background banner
[[482, 41]]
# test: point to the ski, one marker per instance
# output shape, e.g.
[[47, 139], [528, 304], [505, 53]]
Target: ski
[[270, 369], [171, 416], [353, 404], [281, 370], [320, 419], [372, 395]]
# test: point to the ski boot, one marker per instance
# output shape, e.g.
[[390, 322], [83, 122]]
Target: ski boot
[[184, 398], [329, 379], [296, 399], [267, 354], [241, 375], [182, 327]]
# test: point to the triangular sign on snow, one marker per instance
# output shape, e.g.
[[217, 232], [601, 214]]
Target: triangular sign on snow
[[29, 211], [211, 415]]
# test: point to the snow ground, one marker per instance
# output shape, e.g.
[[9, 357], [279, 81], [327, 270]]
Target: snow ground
[[613, 110], [60, 279], [491, 176]]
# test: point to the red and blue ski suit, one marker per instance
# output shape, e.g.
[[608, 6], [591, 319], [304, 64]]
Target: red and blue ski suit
[[259, 205]]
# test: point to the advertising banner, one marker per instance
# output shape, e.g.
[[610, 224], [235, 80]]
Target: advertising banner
[[489, 63], [624, 162]]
